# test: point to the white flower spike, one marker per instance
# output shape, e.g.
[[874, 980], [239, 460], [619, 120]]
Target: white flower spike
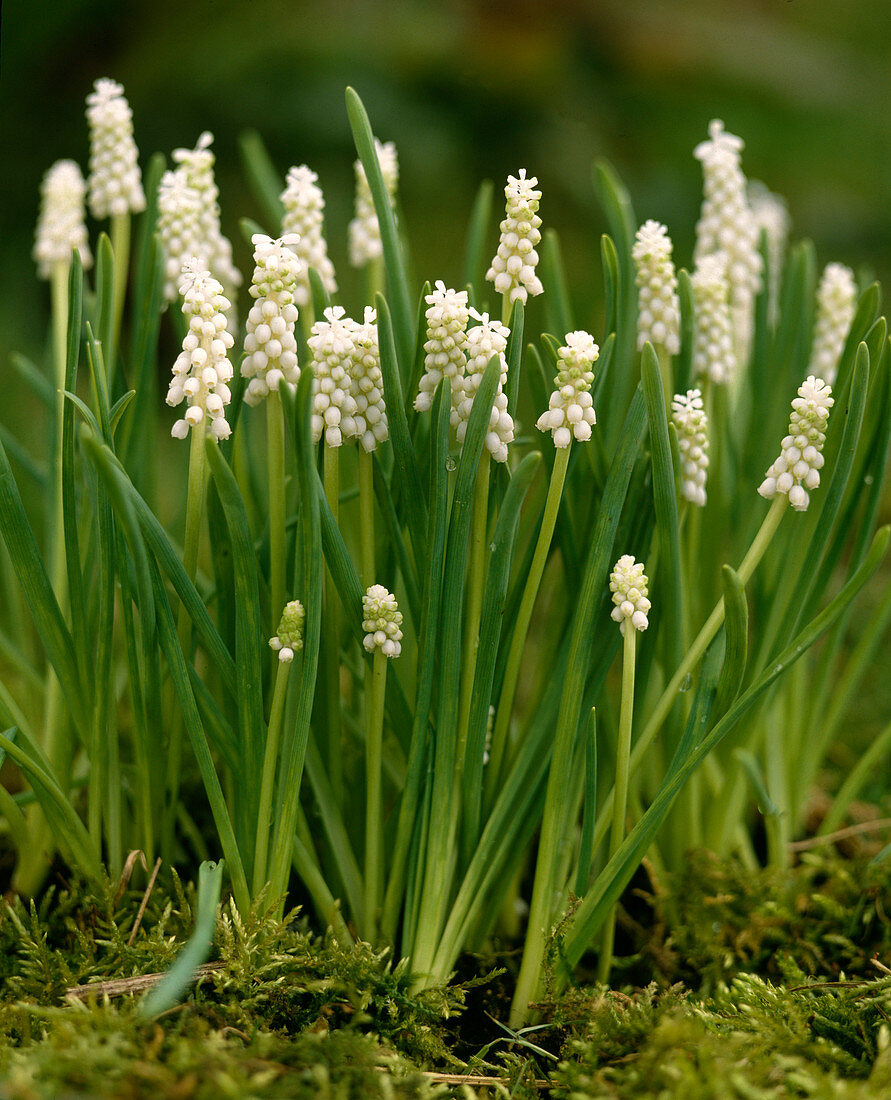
[[179, 227], [304, 205], [728, 225], [513, 266], [658, 317], [688, 417], [202, 371], [713, 354], [570, 408], [447, 316], [115, 181], [797, 470], [364, 231], [289, 639], [196, 169], [628, 584], [485, 340], [382, 622], [771, 215], [367, 385], [270, 345], [836, 305], [60, 226], [332, 345]]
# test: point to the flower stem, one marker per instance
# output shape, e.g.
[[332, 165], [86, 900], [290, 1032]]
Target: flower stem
[[374, 717], [332, 637], [620, 788], [366, 514], [476, 576], [267, 784], [120, 245], [524, 616], [275, 451]]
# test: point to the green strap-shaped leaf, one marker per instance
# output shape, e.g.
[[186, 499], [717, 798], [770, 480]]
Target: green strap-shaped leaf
[[181, 974], [262, 176], [390, 244], [475, 256]]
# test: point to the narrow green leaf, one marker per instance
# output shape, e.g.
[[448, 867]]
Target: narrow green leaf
[[393, 259], [514, 354], [558, 309], [736, 624], [475, 255], [683, 364], [262, 176], [34, 378], [181, 974]]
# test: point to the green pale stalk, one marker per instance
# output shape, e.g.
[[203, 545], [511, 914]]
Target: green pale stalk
[[374, 716], [267, 785], [620, 788], [524, 615], [120, 243], [275, 451], [331, 640]]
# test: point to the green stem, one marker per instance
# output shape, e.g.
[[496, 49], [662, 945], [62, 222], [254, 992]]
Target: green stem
[[366, 514], [374, 717], [332, 637], [620, 788], [476, 576], [267, 784], [120, 246], [194, 509], [275, 451], [524, 615]]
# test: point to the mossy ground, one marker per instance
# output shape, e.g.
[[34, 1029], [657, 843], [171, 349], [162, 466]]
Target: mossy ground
[[735, 985]]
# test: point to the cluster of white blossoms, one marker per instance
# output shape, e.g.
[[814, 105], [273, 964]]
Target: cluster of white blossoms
[[571, 408], [485, 340], [797, 470], [772, 216], [688, 417], [513, 266], [658, 315], [289, 639], [115, 182], [364, 231], [727, 225], [179, 227], [367, 384], [333, 405], [304, 206], [836, 304], [628, 584], [714, 356], [61, 226], [270, 345], [447, 316], [195, 171], [202, 370], [382, 621]]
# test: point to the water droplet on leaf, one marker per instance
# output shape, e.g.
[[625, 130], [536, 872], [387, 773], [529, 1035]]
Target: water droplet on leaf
[[451, 464], [686, 682]]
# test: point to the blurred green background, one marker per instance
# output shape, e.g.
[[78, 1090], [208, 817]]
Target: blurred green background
[[468, 90]]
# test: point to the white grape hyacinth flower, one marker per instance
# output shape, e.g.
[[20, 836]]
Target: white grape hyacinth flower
[[382, 622], [202, 372], [513, 266], [115, 183], [447, 315], [332, 345], [304, 206], [367, 384], [364, 230], [179, 227], [727, 224], [836, 305], [289, 639], [628, 585], [61, 226], [485, 340], [797, 470], [691, 422], [196, 167], [270, 344], [714, 356], [570, 410], [658, 315]]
